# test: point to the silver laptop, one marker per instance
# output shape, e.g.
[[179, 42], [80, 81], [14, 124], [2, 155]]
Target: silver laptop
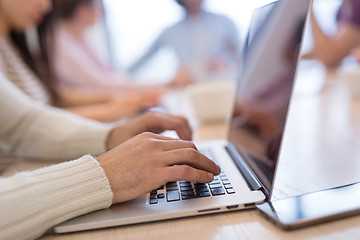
[[249, 156]]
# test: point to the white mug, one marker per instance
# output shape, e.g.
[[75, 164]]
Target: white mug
[[213, 100], [352, 78]]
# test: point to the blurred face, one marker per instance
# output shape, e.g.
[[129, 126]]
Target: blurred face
[[89, 13], [192, 6], [21, 14]]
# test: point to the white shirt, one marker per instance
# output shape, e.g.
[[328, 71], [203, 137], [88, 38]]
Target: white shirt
[[210, 36]]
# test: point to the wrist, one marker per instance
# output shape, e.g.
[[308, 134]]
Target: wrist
[[109, 140], [107, 170], [115, 138]]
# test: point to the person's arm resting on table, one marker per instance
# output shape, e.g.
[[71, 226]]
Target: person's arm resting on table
[[32, 202]]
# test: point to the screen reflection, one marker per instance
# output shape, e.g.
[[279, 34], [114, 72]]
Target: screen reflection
[[266, 85]]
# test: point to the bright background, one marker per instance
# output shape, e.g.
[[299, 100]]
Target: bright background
[[133, 25]]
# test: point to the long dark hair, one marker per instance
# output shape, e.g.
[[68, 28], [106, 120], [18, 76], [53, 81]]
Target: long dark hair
[[40, 63], [65, 9]]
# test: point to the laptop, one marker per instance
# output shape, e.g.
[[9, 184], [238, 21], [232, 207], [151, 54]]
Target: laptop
[[248, 158]]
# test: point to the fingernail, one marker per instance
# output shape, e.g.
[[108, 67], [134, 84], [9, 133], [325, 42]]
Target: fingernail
[[219, 169], [211, 176]]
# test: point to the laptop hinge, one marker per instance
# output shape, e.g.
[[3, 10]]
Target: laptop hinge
[[251, 179]]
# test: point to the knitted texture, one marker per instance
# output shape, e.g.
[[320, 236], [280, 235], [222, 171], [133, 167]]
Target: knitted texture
[[32, 202]]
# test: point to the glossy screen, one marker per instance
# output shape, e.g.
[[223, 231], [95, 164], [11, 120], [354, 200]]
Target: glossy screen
[[265, 84], [316, 206]]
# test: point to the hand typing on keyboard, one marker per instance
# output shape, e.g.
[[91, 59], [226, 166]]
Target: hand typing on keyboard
[[149, 161], [185, 190], [150, 121]]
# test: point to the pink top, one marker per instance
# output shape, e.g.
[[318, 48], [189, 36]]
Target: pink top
[[77, 67]]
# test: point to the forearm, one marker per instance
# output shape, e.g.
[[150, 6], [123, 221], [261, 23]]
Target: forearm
[[56, 135], [32, 130], [321, 40], [32, 202], [70, 97], [100, 112], [330, 50]]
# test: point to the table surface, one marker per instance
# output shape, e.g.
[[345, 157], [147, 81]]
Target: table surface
[[320, 150]]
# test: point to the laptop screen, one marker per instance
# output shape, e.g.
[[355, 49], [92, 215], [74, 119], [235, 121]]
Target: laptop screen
[[265, 85], [259, 17]]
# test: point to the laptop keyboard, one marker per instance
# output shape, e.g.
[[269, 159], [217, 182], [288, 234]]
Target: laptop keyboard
[[185, 190]]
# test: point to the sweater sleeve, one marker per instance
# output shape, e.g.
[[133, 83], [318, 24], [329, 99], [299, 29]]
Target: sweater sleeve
[[30, 129], [32, 202]]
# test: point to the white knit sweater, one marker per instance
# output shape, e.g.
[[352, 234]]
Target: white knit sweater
[[32, 202], [32, 129]]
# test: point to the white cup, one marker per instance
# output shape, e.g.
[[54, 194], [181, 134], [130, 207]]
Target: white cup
[[352, 78], [212, 101]]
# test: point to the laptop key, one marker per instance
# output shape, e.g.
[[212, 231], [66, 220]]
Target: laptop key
[[172, 188], [172, 196], [171, 184], [160, 188], [161, 195], [185, 184], [214, 182], [200, 190], [153, 201], [228, 186], [187, 193], [200, 187], [186, 188], [215, 186], [204, 194], [230, 191], [217, 191], [197, 184], [187, 197]]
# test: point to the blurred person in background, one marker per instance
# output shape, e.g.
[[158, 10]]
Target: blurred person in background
[[75, 63], [33, 72], [331, 50], [206, 44]]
